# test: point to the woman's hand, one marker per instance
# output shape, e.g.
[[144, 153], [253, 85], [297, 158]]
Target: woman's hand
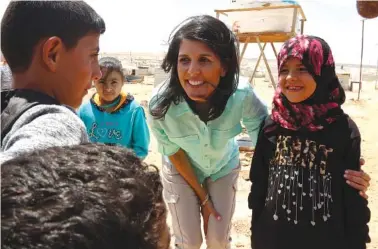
[[358, 179], [207, 210]]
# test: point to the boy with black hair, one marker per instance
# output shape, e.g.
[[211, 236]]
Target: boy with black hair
[[104, 197], [52, 50]]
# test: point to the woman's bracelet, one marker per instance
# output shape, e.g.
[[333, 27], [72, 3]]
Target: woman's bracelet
[[205, 201]]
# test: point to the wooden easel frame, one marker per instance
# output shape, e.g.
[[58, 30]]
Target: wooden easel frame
[[266, 37]]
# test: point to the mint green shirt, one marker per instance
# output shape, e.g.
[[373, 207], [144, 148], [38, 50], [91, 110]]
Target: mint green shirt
[[211, 148]]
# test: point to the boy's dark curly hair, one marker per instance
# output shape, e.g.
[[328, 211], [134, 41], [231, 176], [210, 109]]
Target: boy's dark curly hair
[[88, 196]]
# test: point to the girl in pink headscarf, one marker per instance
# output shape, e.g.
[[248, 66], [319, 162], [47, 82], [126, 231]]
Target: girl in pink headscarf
[[299, 197]]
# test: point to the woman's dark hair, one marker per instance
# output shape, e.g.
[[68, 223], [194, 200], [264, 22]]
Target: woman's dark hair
[[219, 38], [111, 64]]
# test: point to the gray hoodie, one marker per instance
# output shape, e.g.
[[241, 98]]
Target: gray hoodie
[[6, 77], [43, 126]]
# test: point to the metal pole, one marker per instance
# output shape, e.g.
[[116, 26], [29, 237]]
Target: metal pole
[[362, 53], [257, 65], [244, 49]]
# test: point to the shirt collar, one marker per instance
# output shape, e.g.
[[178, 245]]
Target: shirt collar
[[183, 107]]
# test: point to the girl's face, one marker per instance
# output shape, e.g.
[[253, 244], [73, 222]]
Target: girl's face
[[295, 81], [110, 87], [199, 70]]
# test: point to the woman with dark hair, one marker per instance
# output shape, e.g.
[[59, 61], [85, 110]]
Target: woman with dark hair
[[195, 117]]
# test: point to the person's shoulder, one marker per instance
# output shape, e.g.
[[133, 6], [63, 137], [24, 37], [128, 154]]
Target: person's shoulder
[[50, 109], [46, 114], [244, 85], [244, 89], [268, 121], [159, 89], [85, 104], [158, 95], [269, 127], [133, 106], [44, 126], [85, 107], [352, 127], [345, 127], [247, 95]]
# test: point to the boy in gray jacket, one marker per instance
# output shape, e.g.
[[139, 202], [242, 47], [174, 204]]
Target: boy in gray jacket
[[52, 50]]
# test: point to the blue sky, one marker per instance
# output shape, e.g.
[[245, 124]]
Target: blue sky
[[142, 25]]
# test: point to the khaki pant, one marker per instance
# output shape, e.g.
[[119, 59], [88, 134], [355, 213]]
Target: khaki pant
[[185, 209]]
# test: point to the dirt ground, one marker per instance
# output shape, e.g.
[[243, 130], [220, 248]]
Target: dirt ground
[[364, 112]]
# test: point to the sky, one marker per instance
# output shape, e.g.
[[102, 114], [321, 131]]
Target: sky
[[144, 25]]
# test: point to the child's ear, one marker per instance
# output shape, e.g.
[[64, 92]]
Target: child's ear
[[223, 71], [51, 52]]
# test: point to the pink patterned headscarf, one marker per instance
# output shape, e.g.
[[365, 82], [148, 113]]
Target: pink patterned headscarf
[[323, 107]]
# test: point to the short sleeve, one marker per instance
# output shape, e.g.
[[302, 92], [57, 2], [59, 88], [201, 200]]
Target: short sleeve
[[254, 113], [165, 146]]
